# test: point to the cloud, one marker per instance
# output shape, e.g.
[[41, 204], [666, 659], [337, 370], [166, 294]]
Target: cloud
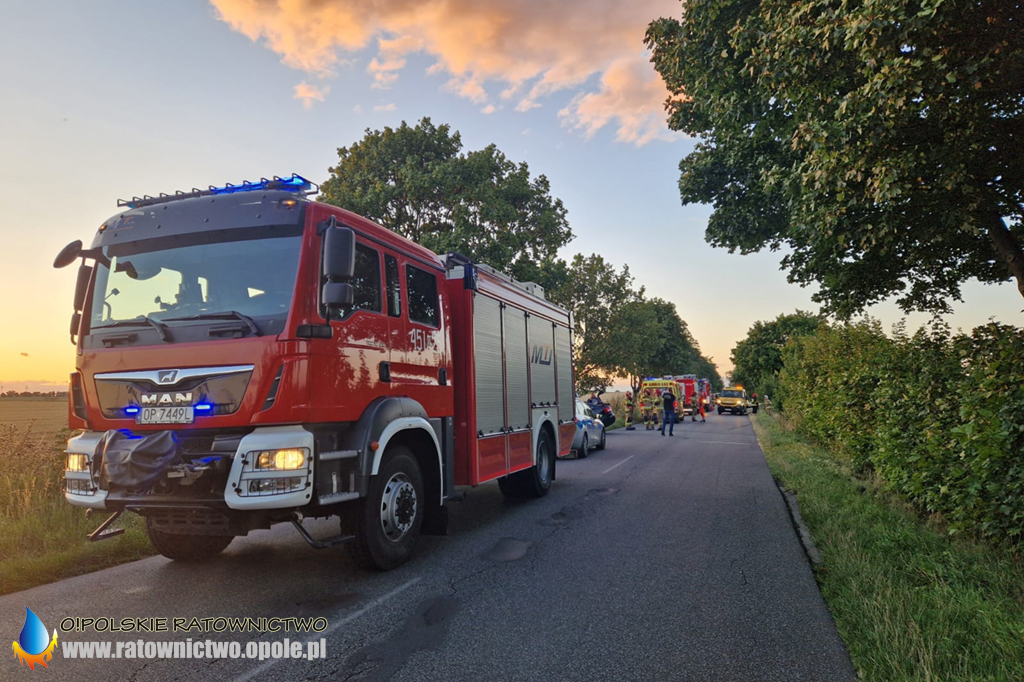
[[307, 94], [528, 49], [385, 107], [489, 109], [24, 355], [631, 97]]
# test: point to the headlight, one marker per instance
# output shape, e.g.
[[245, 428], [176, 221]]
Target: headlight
[[77, 462], [281, 460]]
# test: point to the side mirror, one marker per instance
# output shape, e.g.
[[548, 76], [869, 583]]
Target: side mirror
[[82, 286], [338, 295], [68, 254], [339, 253], [76, 321]]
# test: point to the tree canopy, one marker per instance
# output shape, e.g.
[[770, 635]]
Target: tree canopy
[[757, 359], [882, 142], [595, 291], [417, 181]]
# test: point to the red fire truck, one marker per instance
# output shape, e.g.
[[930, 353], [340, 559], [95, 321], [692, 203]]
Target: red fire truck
[[246, 356], [688, 384]]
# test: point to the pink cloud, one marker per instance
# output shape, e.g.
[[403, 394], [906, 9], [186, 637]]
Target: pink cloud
[[307, 94], [526, 49]]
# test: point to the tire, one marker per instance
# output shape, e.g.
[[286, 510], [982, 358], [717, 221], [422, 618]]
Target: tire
[[584, 447], [604, 435], [186, 548], [535, 481], [388, 526]]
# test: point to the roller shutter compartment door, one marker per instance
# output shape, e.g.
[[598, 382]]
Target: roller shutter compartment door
[[517, 368], [563, 359], [490, 393], [542, 361]]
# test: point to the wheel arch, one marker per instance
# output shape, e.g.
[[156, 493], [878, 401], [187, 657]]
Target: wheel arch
[[423, 445]]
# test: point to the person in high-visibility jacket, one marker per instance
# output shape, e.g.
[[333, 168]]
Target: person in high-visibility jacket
[[629, 411], [698, 407], [647, 410]]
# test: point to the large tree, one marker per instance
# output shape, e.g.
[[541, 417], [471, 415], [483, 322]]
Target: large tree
[[417, 181], [881, 141], [757, 359], [648, 337], [595, 292]]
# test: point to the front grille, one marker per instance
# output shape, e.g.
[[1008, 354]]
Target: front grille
[[191, 522]]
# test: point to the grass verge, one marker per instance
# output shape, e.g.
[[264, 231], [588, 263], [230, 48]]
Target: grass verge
[[42, 537], [911, 602]]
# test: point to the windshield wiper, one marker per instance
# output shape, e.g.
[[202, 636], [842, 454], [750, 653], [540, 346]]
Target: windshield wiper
[[159, 326], [223, 315]]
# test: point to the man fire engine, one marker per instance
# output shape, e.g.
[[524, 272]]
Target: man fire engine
[[246, 357]]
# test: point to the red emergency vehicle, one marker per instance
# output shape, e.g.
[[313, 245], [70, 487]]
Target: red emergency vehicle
[[246, 357], [688, 384]]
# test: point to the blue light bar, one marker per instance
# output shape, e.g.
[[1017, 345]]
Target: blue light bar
[[203, 407], [296, 183], [131, 410]]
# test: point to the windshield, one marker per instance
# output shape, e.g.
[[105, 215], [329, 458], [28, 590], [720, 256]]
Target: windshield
[[732, 394], [253, 276]]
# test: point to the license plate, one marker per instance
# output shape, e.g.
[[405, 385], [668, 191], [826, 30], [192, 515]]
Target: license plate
[[166, 415]]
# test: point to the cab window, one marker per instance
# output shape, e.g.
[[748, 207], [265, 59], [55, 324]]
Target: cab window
[[421, 291], [394, 290], [365, 283]]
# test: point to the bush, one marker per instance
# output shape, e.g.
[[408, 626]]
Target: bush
[[938, 416]]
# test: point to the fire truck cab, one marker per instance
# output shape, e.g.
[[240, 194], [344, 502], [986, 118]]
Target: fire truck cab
[[246, 356]]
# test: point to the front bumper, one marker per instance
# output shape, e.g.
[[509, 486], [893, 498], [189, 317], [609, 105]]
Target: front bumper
[[246, 488]]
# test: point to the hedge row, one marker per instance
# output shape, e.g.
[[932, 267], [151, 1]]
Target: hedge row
[[939, 416]]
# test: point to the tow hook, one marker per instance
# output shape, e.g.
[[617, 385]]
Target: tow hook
[[104, 531]]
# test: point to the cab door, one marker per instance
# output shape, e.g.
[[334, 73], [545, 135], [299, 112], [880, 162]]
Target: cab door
[[419, 356], [348, 369]]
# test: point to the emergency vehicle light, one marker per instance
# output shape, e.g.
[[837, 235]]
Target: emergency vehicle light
[[296, 183]]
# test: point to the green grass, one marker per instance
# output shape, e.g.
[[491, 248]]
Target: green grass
[[42, 537], [911, 602]]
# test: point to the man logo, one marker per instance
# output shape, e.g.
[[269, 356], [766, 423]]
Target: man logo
[[167, 376]]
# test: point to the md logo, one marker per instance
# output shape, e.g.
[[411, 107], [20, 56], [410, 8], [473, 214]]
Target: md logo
[[542, 355]]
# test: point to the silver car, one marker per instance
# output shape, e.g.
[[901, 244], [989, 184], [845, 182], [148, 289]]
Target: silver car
[[590, 432]]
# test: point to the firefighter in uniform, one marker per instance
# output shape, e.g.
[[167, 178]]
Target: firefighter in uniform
[[647, 408], [698, 406], [629, 411]]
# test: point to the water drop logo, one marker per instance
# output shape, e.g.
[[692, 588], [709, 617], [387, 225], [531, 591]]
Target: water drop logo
[[34, 645]]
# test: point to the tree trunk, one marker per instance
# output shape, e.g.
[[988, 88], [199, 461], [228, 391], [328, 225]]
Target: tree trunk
[[1010, 250]]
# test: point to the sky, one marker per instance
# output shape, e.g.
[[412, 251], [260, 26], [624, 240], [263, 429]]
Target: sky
[[115, 98]]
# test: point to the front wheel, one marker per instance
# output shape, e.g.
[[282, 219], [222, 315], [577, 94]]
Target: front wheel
[[600, 445], [184, 547], [388, 525], [584, 448]]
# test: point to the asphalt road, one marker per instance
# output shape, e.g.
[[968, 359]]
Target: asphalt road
[[657, 559]]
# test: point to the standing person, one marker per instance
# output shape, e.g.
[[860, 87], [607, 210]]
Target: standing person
[[698, 406], [629, 411], [668, 402], [645, 410], [753, 402]]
